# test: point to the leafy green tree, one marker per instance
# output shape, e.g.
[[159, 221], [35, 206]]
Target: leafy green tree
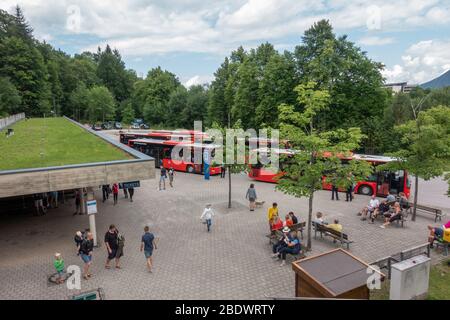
[[425, 146], [10, 99], [276, 87], [101, 104], [128, 114], [246, 97], [111, 70], [319, 152], [22, 28], [79, 101], [218, 109], [152, 94], [196, 108], [24, 65], [178, 102]]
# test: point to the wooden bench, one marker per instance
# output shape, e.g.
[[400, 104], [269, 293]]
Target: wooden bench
[[336, 235], [427, 209], [444, 244], [299, 227]]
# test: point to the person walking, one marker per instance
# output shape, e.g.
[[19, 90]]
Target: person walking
[[162, 179], [112, 244], [334, 188], [105, 192], [207, 216], [171, 174], [131, 193], [77, 202], [350, 188], [86, 248], [251, 196], [148, 244], [120, 246], [223, 171], [125, 193], [115, 191]]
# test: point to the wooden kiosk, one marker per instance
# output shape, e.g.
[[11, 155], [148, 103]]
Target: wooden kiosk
[[334, 274]]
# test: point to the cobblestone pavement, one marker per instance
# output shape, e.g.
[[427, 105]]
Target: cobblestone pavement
[[231, 262]]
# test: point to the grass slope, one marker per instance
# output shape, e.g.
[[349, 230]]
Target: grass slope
[[53, 142]]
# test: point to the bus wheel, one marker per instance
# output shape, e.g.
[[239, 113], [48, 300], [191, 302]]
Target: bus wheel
[[190, 169], [365, 190]]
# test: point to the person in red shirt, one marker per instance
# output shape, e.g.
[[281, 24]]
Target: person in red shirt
[[277, 223], [115, 190], [288, 221]]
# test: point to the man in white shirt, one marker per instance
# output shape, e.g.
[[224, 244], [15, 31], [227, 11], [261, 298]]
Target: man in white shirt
[[373, 204], [207, 215]]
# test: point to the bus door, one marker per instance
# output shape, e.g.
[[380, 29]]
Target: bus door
[[397, 182], [383, 183]]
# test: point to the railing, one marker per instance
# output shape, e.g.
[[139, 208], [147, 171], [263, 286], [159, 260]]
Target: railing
[[6, 122], [385, 263]]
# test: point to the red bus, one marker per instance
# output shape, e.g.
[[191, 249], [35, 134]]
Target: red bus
[[380, 183], [161, 151], [181, 135]]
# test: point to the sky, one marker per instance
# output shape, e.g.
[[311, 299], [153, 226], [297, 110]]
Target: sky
[[192, 37]]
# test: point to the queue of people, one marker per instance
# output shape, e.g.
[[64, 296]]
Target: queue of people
[[114, 244]]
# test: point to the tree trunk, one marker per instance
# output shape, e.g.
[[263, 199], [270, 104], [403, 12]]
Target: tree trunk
[[310, 209], [229, 188], [416, 191]]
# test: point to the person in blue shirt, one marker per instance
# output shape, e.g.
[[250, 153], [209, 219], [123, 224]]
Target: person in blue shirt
[[293, 246], [147, 245]]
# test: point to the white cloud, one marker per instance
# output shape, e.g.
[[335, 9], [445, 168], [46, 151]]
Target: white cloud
[[421, 62], [139, 27], [198, 80], [376, 41]]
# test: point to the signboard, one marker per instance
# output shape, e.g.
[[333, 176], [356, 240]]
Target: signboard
[[91, 206], [128, 185]]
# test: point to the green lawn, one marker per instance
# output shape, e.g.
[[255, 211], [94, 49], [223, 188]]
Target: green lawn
[[439, 288], [53, 142]]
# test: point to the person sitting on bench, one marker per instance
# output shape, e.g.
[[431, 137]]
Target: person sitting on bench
[[336, 226], [389, 218], [370, 208], [383, 208], [437, 233], [404, 203], [293, 217], [293, 247], [288, 221], [319, 219], [277, 223], [282, 242]]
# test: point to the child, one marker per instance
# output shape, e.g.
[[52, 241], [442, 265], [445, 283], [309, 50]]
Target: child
[[207, 216], [59, 266]]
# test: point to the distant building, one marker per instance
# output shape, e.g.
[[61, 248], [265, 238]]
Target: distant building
[[402, 87]]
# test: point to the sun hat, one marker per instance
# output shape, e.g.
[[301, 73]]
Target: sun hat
[[286, 230], [57, 255]]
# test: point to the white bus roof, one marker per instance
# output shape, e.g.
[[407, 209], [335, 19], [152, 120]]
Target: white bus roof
[[373, 158]]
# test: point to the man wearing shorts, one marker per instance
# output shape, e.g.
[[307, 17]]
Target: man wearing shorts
[[147, 245]]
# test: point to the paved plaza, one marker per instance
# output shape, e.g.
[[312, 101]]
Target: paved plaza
[[231, 262]]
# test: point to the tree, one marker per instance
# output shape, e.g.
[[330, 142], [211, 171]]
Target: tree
[[101, 104], [425, 146], [111, 70], [128, 114], [196, 108], [175, 108], [232, 152], [9, 98], [24, 65], [79, 101], [218, 109], [319, 152]]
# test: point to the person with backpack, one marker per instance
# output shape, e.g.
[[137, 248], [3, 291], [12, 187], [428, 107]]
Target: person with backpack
[[120, 245], [251, 196], [79, 237], [86, 248]]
